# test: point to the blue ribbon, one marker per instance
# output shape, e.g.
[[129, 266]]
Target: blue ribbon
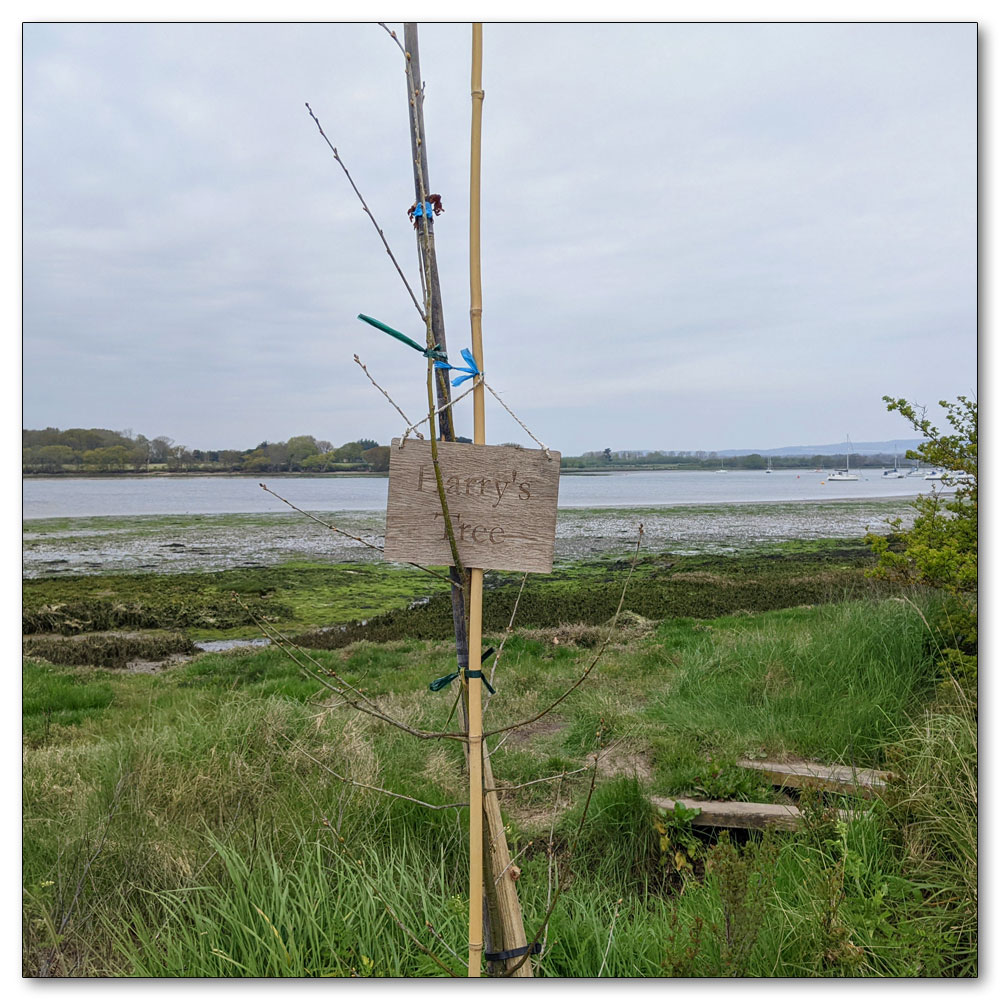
[[473, 368]]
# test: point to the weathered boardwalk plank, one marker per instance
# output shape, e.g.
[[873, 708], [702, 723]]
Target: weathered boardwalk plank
[[740, 815], [829, 778]]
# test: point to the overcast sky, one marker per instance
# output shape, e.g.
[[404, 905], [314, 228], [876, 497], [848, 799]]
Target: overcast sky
[[695, 235]]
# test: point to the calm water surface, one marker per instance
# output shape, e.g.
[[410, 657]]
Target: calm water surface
[[167, 525], [125, 497]]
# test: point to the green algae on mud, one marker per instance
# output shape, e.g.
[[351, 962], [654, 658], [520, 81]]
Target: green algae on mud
[[114, 650], [335, 604], [662, 586], [220, 605]]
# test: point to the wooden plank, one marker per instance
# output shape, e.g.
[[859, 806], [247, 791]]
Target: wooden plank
[[831, 778], [739, 815], [502, 501]]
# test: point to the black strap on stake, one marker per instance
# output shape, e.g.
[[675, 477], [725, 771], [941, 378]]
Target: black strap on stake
[[502, 956]]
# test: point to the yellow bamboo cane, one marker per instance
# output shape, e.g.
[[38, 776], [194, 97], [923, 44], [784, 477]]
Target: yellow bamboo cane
[[476, 575]]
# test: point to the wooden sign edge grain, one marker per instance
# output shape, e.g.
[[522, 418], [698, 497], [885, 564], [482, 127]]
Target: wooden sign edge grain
[[475, 510]]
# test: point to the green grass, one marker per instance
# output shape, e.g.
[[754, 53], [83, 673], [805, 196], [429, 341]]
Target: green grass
[[829, 682], [186, 823]]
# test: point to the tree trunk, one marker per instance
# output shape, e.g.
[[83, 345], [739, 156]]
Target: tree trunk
[[502, 909]]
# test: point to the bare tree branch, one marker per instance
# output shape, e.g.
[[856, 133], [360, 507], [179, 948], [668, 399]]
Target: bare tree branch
[[361, 784], [561, 887], [359, 362], [593, 663], [369, 707], [347, 534], [507, 634], [368, 211], [538, 781]]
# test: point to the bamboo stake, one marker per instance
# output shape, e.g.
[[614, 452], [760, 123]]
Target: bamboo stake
[[504, 908], [476, 575]]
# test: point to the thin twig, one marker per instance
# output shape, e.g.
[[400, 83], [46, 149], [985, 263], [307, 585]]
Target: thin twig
[[433, 931], [368, 211], [356, 538], [537, 781], [507, 867], [358, 361], [593, 663], [444, 406], [392, 35], [518, 419], [489, 751], [561, 887], [361, 784], [507, 634], [319, 520], [551, 855], [370, 708]]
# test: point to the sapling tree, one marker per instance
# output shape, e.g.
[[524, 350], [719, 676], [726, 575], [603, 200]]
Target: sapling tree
[[505, 935]]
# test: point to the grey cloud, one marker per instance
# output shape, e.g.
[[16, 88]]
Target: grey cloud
[[679, 221]]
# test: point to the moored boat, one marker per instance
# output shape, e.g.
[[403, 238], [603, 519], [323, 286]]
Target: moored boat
[[844, 475]]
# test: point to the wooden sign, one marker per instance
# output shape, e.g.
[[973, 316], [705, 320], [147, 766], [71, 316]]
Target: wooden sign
[[502, 501]]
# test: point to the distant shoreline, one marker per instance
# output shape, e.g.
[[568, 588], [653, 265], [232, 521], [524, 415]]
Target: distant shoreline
[[162, 474]]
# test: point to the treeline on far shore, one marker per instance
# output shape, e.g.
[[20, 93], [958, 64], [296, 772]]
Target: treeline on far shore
[[632, 460], [96, 450], [52, 451]]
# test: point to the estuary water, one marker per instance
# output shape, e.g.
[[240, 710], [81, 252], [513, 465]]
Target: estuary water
[[171, 525], [169, 495]]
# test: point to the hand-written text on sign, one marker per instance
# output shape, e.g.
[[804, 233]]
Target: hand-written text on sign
[[502, 501]]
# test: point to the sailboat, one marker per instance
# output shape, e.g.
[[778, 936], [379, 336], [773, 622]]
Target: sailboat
[[769, 469], [723, 469], [844, 475], [894, 472]]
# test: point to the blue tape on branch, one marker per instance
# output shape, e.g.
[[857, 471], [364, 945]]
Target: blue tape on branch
[[473, 369]]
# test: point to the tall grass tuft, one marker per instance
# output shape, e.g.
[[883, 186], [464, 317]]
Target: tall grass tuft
[[832, 683], [938, 809], [310, 912]]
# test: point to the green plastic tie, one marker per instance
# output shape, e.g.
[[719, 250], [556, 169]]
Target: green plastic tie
[[428, 352], [479, 674], [443, 682]]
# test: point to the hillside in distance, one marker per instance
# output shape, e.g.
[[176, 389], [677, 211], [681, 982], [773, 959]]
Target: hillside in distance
[[899, 447]]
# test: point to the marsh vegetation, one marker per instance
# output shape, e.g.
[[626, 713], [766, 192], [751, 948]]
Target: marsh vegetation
[[219, 817]]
